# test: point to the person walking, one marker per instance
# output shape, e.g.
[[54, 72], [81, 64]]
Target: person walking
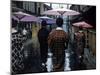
[[17, 58], [42, 37], [79, 44], [57, 42]]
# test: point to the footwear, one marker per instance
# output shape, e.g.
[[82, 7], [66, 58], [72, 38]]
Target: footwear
[[43, 64]]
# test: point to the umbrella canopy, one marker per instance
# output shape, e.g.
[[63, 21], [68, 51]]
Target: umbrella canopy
[[15, 18], [64, 12], [82, 24], [24, 17], [47, 19]]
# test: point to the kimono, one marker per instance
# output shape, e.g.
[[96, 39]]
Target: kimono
[[79, 45], [17, 56], [57, 42]]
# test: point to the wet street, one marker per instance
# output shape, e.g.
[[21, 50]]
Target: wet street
[[32, 61], [71, 61], [66, 65]]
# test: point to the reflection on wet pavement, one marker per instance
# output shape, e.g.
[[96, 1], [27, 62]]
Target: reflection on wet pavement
[[50, 65]]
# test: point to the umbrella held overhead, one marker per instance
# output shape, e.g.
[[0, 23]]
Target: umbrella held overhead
[[47, 19], [24, 17], [82, 24], [60, 12]]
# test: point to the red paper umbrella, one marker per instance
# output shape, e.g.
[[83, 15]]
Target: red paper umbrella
[[82, 24]]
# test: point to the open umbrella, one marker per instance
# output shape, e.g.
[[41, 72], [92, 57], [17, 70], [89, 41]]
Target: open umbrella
[[60, 11], [24, 17], [82, 24], [47, 19]]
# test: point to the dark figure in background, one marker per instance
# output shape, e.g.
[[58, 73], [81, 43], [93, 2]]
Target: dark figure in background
[[32, 57], [79, 44], [29, 34], [42, 37], [57, 42]]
